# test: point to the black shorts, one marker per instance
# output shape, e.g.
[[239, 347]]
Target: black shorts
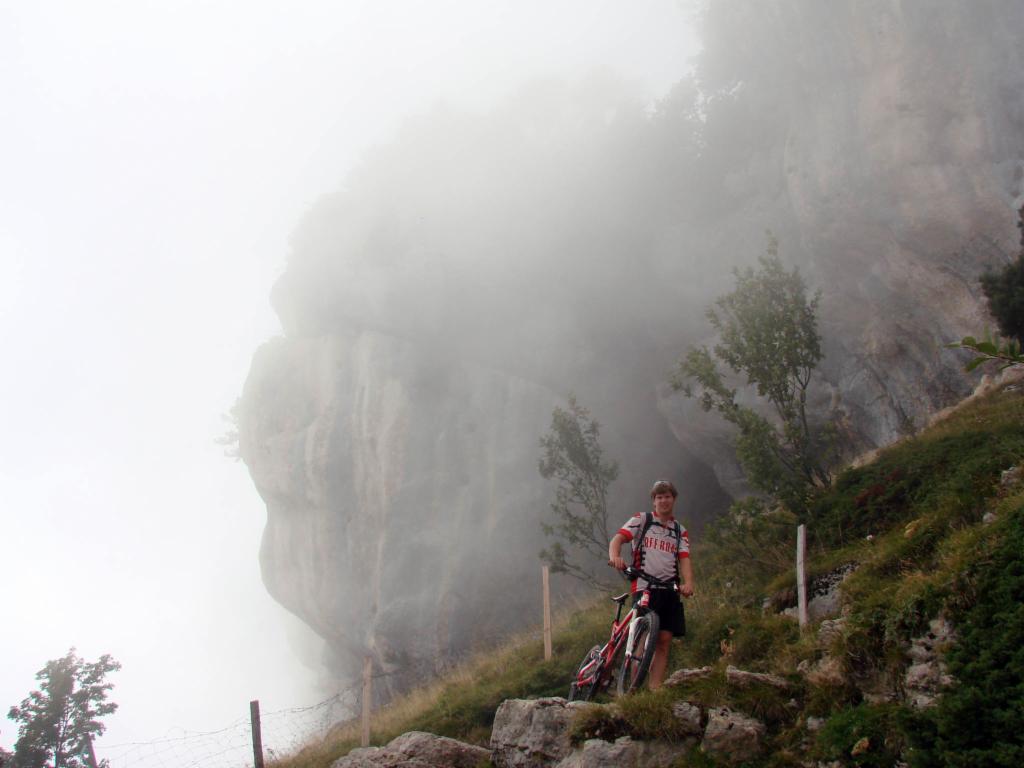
[[668, 606]]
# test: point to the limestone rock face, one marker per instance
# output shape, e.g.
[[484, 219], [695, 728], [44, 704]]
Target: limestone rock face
[[927, 676], [684, 676], [732, 736], [416, 749], [401, 496], [532, 733], [624, 752], [689, 717]]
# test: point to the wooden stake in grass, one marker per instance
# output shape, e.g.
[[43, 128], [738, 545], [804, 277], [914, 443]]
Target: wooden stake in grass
[[801, 577], [367, 699], [546, 580]]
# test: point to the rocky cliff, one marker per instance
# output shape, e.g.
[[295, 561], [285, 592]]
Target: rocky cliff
[[401, 496], [480, 267]]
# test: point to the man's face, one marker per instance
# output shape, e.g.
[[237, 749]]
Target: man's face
[[663, 503]]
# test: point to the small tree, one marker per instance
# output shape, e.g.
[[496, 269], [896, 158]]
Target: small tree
[[574, 457], [769, 333], [1004, 290], [56, 722]]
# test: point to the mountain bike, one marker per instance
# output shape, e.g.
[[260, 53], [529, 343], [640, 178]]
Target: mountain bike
[[633, 637]]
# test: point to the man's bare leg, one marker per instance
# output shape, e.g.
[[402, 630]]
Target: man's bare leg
[[660, 660]]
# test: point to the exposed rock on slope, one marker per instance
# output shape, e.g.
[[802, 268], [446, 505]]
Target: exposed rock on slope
[[401, 495], [417, 750]]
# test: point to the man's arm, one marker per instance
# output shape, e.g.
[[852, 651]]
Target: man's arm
[[686, 569], [614, 552]]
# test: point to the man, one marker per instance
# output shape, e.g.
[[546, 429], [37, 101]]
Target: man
[[664, 553]]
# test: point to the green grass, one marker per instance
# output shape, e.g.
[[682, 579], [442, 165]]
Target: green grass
[[921, 501]]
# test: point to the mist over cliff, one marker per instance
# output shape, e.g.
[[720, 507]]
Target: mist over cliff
[[479, 266]]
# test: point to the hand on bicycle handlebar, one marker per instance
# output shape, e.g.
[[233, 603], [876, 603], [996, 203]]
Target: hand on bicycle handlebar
[[636, 573], [618, 563]]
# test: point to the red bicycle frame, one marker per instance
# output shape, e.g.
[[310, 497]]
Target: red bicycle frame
[[597, 672]]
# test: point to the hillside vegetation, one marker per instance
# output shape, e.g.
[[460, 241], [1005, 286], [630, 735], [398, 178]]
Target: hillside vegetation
[[932, 527]]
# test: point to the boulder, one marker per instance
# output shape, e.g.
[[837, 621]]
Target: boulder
[[744, 679], [1010, 477], [416, 749], [624, 753], [529, 733], [826, 671], [683, 676], [825, 600], [689, 717], [732, 737]]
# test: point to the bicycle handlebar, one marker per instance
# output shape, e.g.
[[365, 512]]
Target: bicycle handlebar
[[636, 573]]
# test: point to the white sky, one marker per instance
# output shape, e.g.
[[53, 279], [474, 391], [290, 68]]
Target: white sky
[[154, 157]]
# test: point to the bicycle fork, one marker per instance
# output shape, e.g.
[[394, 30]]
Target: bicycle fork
[[641, 605]]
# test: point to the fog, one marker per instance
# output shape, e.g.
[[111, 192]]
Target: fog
[[155, 159], [487, 259]]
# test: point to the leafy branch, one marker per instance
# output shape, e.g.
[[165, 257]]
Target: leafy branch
[[990, 349]]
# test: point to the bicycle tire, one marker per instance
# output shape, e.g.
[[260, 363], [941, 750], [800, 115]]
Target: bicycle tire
[[586, 693], [634, 667]]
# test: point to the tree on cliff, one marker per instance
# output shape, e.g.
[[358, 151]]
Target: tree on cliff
[[1004, 291], [574, 457], [57, 722], [768, 332]]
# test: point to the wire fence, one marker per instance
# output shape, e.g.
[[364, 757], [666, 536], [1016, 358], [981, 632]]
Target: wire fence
[[284, 732]]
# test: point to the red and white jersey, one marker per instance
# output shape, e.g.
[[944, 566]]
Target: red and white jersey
[[660, 553]]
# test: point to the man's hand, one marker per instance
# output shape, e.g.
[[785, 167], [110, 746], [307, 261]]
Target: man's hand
[[686, 590], [614, 549]]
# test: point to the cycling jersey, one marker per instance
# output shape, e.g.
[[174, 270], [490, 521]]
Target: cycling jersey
[[660, 553]]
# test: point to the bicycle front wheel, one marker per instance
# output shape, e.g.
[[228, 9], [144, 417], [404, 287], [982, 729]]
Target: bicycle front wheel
[[638, 658]]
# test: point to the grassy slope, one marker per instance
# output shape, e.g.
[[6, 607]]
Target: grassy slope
[[921, 501]]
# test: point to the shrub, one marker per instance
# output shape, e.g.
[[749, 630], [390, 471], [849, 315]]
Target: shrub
[[981, 721], [873, 736], [1004, 289]]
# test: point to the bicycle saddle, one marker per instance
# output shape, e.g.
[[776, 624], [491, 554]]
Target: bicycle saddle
[[621, 599]]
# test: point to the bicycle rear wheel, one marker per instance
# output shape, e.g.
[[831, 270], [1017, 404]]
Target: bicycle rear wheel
[[638, 658], [587, 690]]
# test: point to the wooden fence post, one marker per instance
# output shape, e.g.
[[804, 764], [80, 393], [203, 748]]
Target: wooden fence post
[[257, 734], [367, 699], [546, 580], [801, 577]]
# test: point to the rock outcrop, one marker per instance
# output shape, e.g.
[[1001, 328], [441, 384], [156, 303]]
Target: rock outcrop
[[417, 750], [683, 676], [401, 497], [926, 676], [532, 733], [743, 679], [624, 752], [732, 736]]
